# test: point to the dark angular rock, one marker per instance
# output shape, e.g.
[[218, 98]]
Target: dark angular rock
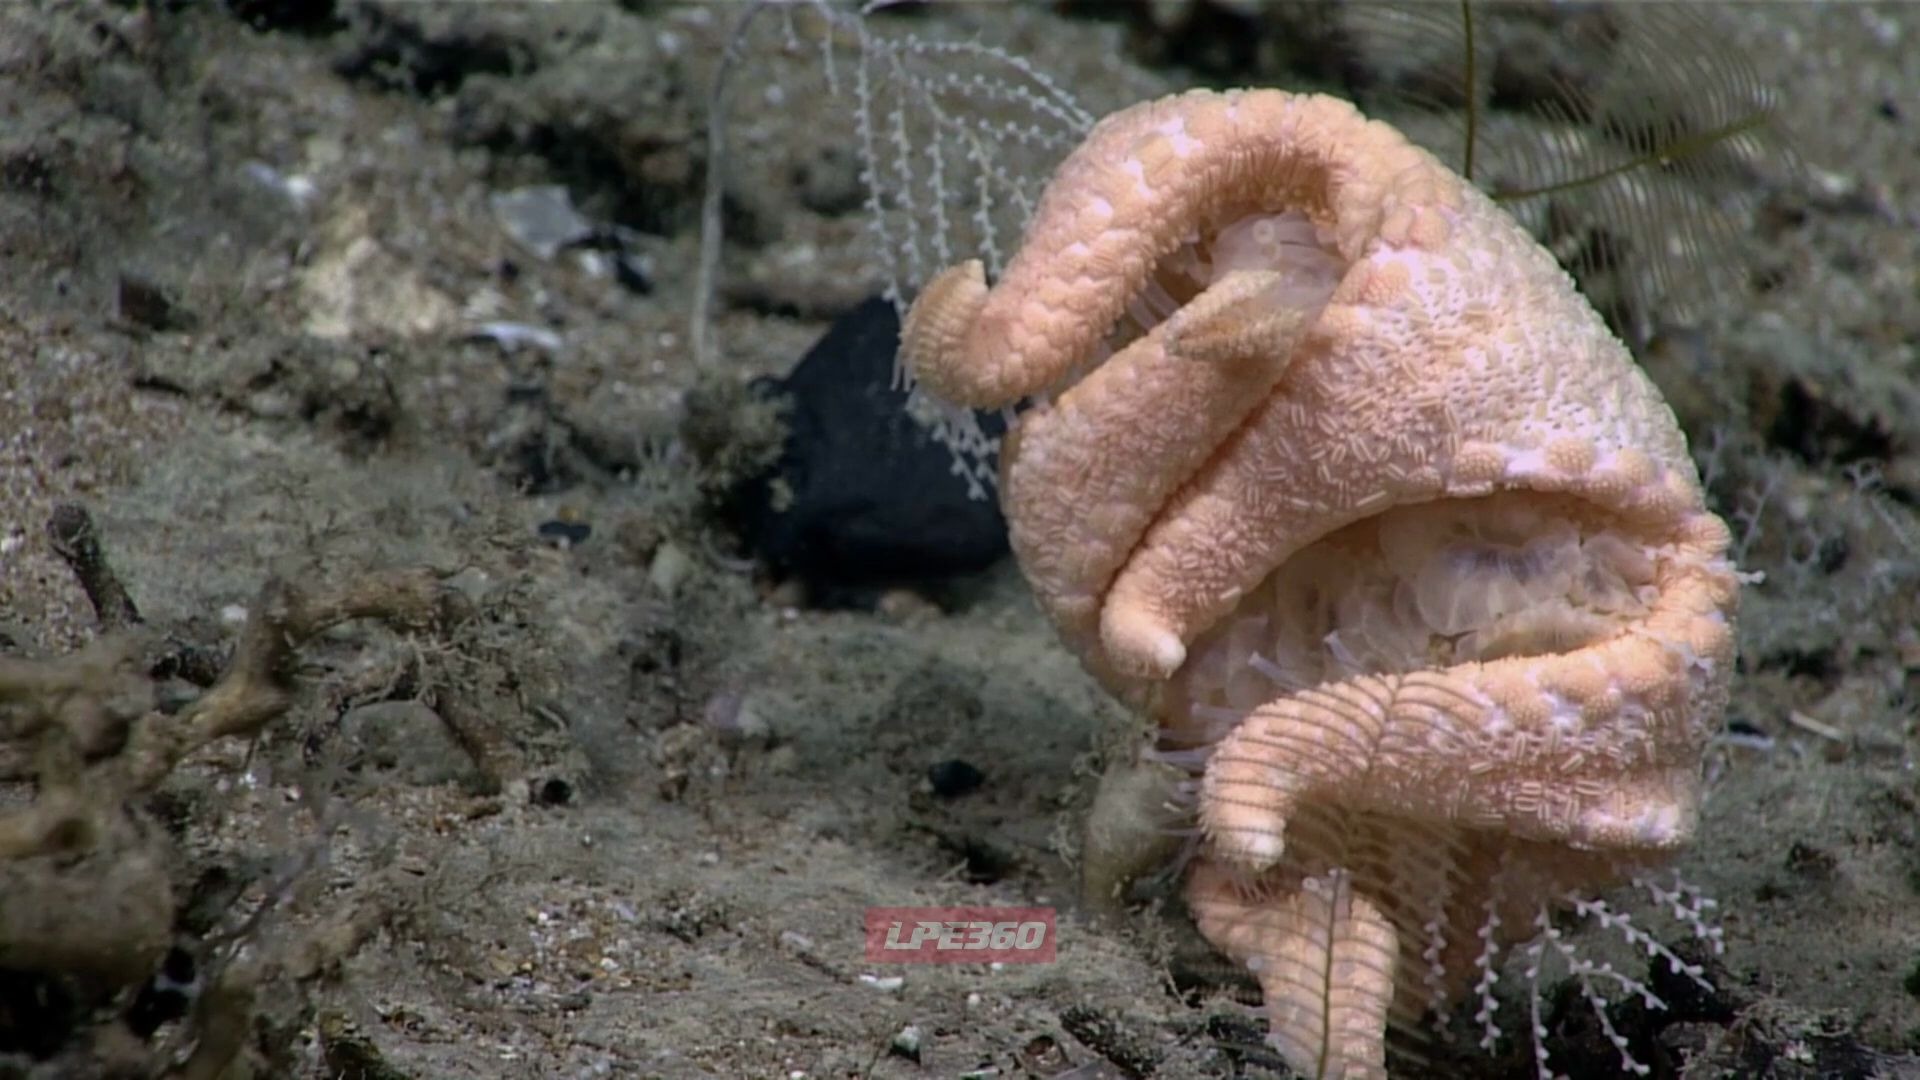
[[951, 779], [862, 495]]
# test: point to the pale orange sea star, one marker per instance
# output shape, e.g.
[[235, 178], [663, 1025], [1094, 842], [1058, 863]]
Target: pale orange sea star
[[1333, 470]]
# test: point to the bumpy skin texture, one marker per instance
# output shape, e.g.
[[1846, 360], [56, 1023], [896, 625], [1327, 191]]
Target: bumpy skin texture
[[1453, 359]]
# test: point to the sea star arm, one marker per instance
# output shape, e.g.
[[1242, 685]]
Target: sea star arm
[[1210, 364], [1595, 748], [1128, 196], [1325, 958]]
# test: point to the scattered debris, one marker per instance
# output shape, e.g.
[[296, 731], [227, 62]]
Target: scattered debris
[[513, 336], [101, 747], [1814, 726]]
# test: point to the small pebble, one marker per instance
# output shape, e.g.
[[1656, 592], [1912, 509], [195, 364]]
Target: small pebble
[[670, 568], [145, 303], [295, 188], [635, 272], [906, 1043], [782, 761], [565, 534], [953, 778], [552, 792], [735, 718], [542, 218]]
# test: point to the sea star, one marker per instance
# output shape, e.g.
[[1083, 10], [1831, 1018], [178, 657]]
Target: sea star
[[1333, 470]]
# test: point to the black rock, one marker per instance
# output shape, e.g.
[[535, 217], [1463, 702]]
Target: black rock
[[865, 496], [314, 17], [565, 533], [552, 791], [145, 303], [953, 778], [167, 996]]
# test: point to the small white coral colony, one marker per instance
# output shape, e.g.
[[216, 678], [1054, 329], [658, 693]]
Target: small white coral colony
[[1330, 468]]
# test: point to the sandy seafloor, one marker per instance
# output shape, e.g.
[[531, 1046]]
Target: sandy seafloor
[[741, 775]]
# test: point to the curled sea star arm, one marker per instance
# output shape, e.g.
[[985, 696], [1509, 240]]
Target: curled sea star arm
[[1596, 748], [1126, 198], [1325, 957], [1210, 364]]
